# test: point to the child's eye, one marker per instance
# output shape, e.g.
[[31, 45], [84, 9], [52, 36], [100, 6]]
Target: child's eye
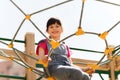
[[51, 26], [57, 26]]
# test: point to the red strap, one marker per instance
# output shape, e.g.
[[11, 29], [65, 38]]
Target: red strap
[[69, 51]]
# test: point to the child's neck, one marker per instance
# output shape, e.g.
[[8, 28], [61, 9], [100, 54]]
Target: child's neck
[[56, 39]]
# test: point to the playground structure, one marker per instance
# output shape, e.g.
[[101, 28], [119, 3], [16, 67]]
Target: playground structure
[[28, 60], [100, 66]]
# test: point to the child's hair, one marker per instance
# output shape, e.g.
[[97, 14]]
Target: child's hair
[[52, 21]]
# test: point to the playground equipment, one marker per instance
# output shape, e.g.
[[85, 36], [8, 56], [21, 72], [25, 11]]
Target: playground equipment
[[111, 52], [28, 60]]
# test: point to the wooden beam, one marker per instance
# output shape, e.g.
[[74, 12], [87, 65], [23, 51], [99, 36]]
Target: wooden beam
[[76, 61], [10, 52], [84, 62]]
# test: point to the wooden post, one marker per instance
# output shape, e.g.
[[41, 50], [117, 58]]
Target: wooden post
[[30, 49], [112, 69], [111, 65]]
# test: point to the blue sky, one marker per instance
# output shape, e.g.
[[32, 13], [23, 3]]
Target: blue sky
[[97, 17]]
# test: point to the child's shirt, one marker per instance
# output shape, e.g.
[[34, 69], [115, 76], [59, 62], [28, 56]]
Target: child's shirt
[[44, 44]]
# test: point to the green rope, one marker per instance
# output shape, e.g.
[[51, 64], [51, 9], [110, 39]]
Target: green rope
[[14, 77], [86, 50], [7, 39], [21, 41]]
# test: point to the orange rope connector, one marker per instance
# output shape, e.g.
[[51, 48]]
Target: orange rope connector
[[50, 78], [28, 17], [11, 57], [54, 44], [79, 32], [93, 68], [10, 45], [45, 64], [83, 0], [30, 68], [111, 58], [108, 50], [103, 35]]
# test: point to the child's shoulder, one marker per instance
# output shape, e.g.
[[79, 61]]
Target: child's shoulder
[[42, 41]]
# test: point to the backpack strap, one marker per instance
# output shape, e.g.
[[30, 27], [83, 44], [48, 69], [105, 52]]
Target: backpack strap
[[69, 51]]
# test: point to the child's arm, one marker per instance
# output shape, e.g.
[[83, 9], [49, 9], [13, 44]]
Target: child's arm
[[42, 56]]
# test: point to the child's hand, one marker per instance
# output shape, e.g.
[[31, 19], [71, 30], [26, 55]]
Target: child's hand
[[89, 70], [86, 69], [46, 59]]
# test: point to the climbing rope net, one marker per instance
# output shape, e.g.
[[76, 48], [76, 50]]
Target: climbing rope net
[[108, 50]]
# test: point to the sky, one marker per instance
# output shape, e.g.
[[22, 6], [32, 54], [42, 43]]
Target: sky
[[97, 17]]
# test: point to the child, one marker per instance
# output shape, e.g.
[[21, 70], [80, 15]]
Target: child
[[60, 66]]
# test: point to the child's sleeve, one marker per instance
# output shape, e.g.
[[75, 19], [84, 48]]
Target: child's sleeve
[[42, 44]]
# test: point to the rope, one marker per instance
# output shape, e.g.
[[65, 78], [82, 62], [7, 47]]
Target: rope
[[79, 32], [20, 61], [81, 14], [51, 7], [17, 31], [108, 2], [18, 7]]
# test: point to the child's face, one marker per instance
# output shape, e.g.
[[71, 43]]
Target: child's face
[[55, 30]]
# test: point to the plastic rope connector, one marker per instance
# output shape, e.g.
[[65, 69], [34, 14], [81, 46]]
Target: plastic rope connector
[[30, 68], [11, 57], [93, 68], [10, 45], [83, 0], [50, 78], [45, 64], [103, 35], [80, 31], [54, 44], [108, 50], [28, 17]]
